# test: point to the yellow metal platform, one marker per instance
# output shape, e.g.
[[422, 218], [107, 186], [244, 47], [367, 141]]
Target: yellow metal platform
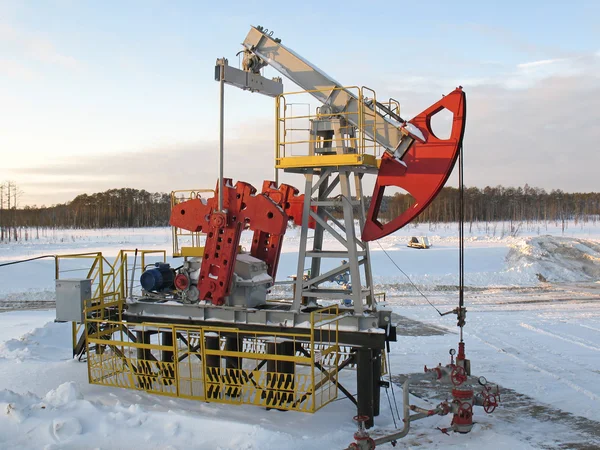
[[299, 162]]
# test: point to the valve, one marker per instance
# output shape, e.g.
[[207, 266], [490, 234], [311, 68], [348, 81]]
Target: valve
[[461, 316], [465, 410], [458, 375], [362, 438], [437, 370], [462, 405], [489, 400]]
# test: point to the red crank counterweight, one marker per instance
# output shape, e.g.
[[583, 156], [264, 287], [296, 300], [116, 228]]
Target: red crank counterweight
[[243, 209], [267, 246]]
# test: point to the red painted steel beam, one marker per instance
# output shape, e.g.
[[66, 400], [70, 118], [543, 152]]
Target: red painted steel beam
[[243, 209], [267, 246]]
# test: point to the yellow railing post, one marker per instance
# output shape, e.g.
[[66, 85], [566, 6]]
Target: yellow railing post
[[101, 285]]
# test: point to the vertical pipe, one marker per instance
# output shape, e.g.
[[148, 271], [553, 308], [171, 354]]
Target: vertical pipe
[[461, 264], [276, 139], [221, 130]]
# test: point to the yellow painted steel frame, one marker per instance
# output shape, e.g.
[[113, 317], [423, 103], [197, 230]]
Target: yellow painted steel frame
[[366, 149], [195, 239], [288, 371], [110, 281]]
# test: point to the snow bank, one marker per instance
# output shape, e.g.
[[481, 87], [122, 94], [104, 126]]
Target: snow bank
[[556, 259], [47, 343]]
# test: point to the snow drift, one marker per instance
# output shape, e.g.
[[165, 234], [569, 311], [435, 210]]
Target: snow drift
[[556, 259]]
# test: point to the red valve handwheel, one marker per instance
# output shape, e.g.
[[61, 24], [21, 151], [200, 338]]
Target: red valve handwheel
[[490, 402], [458, 375], [465, 410]]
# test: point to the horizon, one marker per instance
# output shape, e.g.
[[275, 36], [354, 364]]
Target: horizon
[[132, 86], [547, 192]]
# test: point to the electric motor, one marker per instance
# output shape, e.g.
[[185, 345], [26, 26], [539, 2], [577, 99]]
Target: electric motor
[[159, 278]]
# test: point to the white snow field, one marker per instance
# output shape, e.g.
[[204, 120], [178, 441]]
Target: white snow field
[[540, 341]]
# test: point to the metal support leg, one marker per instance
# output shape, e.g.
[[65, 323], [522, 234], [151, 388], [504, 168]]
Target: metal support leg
[[167, 356], [143, 357], [364, 384], [351, 238], [212, 367], [288, 368], [167, 341], [376, 379], [315, 268], [361, 221], [280, 375], [303, 240], [232, 366]]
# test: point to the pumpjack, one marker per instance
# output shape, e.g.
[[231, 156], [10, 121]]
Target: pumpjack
[[221, 294]]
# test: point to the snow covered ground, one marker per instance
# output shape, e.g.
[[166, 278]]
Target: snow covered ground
[[540, 341]]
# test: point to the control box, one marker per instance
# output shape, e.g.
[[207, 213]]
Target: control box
[[71, 296]]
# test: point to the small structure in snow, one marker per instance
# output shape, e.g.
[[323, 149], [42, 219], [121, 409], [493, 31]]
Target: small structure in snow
[[419, 242]]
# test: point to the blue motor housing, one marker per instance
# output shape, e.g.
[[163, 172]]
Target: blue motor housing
[[159, 278]]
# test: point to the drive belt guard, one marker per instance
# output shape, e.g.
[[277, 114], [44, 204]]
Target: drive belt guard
[[423, 170]]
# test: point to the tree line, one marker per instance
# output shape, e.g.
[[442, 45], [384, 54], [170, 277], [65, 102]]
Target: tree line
[[491, 204], [125, 207], [115, 208]]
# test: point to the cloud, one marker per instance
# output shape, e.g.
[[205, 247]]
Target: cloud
[[192, 165], [15, 69], [535, 123], [545, 135], [521, 76], [512, 40], [36, 47]]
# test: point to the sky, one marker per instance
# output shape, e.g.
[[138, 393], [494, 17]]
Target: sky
[[95, 96]]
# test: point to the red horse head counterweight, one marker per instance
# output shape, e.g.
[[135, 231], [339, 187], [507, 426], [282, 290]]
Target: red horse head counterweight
[[423, 170]]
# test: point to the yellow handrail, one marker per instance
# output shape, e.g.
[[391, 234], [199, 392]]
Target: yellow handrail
[[177, 234], [350, 144]]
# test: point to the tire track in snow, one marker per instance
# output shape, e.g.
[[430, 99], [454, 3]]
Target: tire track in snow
[[591, 328], [562, 338], [568, 383]]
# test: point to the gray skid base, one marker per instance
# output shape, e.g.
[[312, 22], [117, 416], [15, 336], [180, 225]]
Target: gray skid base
[[366, 330]]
